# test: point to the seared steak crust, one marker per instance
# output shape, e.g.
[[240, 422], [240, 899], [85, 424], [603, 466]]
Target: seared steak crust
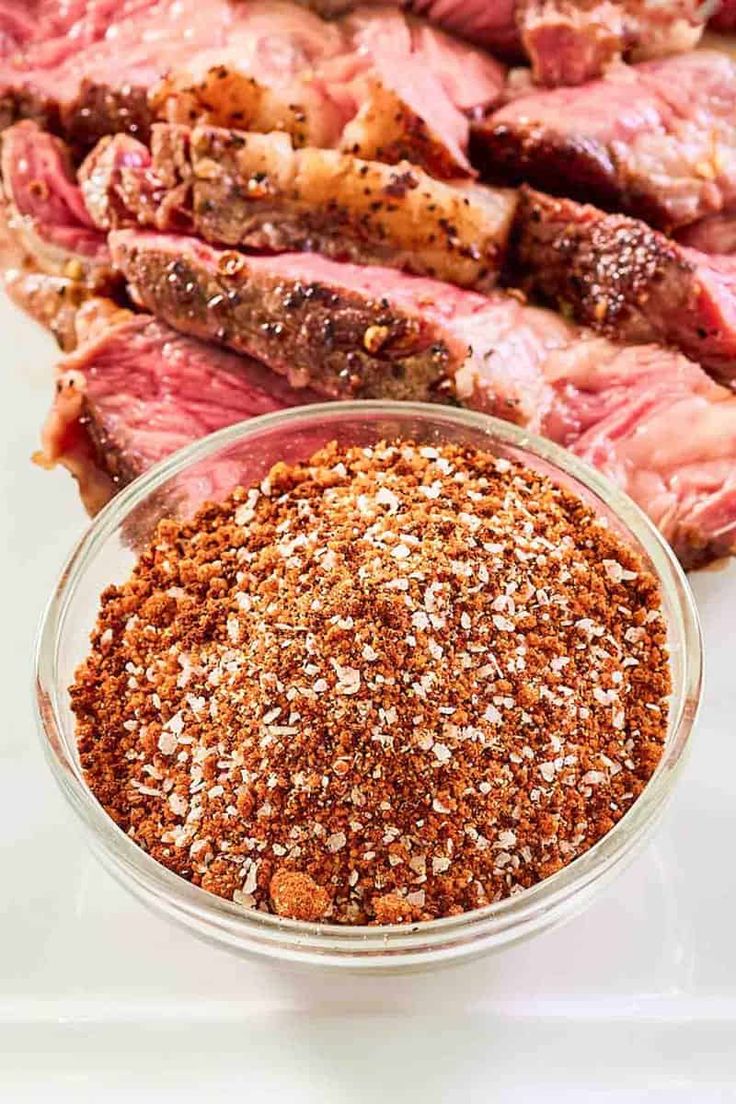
[[569, 164], [626, 280], [647, 417], [377, 83], [655, 140], [343, 343], [95, 110], [254, 190], [603, 268]]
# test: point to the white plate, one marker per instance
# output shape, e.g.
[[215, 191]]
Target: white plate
[[636, 999]]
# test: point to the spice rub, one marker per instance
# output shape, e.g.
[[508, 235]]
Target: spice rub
[[387, 685]]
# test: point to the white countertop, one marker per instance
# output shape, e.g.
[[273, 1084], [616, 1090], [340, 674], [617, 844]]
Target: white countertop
[[633, 1000]]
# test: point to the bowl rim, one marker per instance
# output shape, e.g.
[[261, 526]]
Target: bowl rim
[[312, 941]]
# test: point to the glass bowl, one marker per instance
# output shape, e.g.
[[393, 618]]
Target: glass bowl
[[244, 453]]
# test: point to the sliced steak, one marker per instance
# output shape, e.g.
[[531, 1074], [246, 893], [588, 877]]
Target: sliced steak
[[489, 23], [125, 183], [416, 93], [66, 440], [44, 210], [656, 140], [659, 427], [346, 330], [566, 41], [492, 24], [44, 32], [647, 416], [630, 282], [17, 26], [257, 192], [375, 83], [134, 391], [573, 41]]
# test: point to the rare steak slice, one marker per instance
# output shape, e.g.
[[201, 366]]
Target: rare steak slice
[[347, 330], [647, 416], [44, 32], [43, 209], [621, 277], [103, 86], [655, 424], [135, 391], [655, 140], [257, 192], [573, 41], [376, 83], [566, 41], [415, 91]]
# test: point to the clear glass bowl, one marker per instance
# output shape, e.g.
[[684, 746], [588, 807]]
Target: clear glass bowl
[[244, 453]]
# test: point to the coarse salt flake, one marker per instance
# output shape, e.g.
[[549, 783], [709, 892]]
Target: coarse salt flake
[[336, 841], [167, 742], [547, 771], [348, 678], [177, 804], [502, 623]]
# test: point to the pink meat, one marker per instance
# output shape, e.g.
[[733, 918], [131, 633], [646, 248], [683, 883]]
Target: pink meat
[[46, 32], [569, 43], [256, 192], [263, 65], [566, 41], [44, 211], [491, 24], [648, 419], [136, 391], [657, 140], [573, 41], [716, 280], [38, 179]]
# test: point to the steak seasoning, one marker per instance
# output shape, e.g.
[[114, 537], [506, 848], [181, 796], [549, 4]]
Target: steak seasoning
[[387, 685]]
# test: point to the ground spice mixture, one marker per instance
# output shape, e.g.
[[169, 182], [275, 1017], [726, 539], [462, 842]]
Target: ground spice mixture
[[386, 685]]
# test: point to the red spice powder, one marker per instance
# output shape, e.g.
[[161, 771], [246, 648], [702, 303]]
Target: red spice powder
[[386, 685]]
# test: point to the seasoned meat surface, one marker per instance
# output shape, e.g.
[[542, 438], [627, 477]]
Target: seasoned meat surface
[[255, 191], [621, 277], [377, 83], [655, 140]]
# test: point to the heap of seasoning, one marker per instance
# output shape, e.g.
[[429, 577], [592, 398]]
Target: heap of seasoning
[[387, 685]]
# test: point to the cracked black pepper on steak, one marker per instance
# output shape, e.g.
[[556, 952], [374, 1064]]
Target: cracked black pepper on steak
[[386, 685]]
